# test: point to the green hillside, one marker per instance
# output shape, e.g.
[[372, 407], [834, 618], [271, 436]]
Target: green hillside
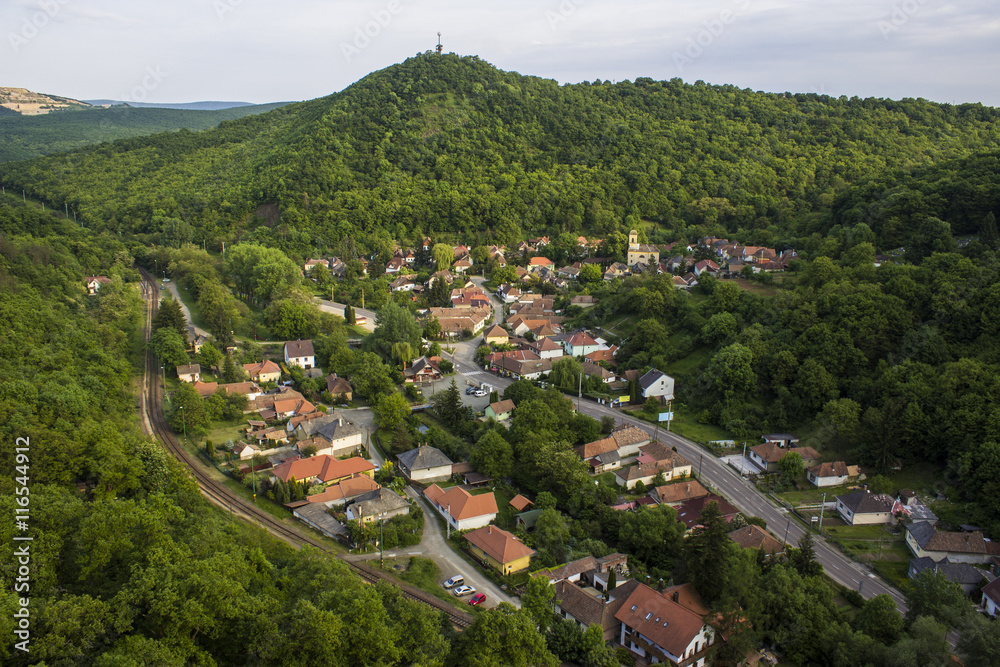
[[451, 144], [26, 137]]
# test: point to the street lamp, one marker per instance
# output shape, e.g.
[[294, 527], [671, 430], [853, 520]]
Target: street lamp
[[184, 418], [381, 540]]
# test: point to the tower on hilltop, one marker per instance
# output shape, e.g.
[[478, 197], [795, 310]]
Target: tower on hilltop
[[440, 47]]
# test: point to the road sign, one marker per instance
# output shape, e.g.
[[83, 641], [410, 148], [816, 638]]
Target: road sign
[[666, 416]]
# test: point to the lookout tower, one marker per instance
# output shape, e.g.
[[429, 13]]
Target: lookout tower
[[440, 47]]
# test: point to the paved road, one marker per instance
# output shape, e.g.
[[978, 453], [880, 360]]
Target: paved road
[[172, 287], [716, 473], [436, 547], [338, 309]]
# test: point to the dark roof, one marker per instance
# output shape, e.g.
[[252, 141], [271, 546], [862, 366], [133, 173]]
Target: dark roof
[[865, 502], [960, 573], [424, 457], [651, 376], [830, 469], [689, 513], [299, 348], [755, 537], [921, 531]]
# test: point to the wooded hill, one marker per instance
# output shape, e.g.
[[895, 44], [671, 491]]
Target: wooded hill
[[26, 137], [452, 144]]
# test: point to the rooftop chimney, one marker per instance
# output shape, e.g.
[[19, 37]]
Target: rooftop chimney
[[675, 596]]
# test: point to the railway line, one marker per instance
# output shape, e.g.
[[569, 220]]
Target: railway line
[[218, 494]]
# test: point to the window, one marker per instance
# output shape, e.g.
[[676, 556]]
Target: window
[[649, 615]]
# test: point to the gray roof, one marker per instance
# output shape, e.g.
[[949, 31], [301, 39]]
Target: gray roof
[[335, 430], [922, 532], [864, 502], [299, 348], [423, 458], [961, 573], [311, 426], [377, 502], [609, 457], [651, 376]]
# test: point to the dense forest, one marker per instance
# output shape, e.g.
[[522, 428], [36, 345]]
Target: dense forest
[[451, 144], [26, 137]]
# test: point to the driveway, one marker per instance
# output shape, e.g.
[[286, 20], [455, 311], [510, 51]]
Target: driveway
[[436, 547]]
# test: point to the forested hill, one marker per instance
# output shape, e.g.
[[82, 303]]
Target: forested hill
[[26, 137], [448, 143]]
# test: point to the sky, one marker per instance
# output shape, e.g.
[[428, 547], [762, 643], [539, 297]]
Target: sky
[[267, 51]]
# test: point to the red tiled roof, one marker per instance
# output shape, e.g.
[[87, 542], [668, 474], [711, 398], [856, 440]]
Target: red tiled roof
[[324, 467], [463, 504], [519, 502], [498, 544], [667, 623]]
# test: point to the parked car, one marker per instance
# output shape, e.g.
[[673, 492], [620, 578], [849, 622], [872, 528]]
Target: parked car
[[457, 580], [464, 590], [479, 392], [478, 598], [469, 390]]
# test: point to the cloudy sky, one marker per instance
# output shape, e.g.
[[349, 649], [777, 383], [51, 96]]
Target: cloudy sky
[[265, 51]]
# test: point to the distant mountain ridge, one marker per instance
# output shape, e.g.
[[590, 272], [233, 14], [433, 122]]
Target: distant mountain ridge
[[210, 105]]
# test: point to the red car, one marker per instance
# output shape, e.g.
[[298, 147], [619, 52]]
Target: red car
[[478, 598]]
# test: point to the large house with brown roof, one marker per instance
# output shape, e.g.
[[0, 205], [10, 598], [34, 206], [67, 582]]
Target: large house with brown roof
[[496, 335], [580, 344], [924, 539], [337, 495], [499, 549], [831, 473], [425, 464], [689, 512], [654, 459], [612, 452], [587, 606], [338, 386], [323, 469], [658, 628], [460, 508], [679, 492], [189, 373]]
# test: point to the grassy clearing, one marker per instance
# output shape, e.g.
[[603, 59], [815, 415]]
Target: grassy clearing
[[692, 362], [424, 574], [192, 305], [686, 426]]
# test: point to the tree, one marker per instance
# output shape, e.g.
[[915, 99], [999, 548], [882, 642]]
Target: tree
[[653, 534], [502, 637], [539, 600], [443, 255], [804, 558], [979, 642], [565, 372], [731, 370], [709, 554], [209, 356], [370, 376], [231, 371], [394, 325], [590, 274], [879, 619], [934, 596], [349, 315], [791, 466], [168, 346], [552, 534], [391, 411], [493, 456], [170, 316]]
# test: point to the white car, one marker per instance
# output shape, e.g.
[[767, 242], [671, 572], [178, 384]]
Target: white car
[[479, 392], [464, 590], [457, 580]]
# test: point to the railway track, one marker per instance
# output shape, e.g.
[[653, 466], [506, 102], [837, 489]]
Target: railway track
[[220, 495]]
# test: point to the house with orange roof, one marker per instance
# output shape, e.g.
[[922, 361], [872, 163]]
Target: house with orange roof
[[657, 627], [496, 335], [580, 344], [323, 469], [499, 549], [755, 537], [205, 389], [520, 503], [339, 494], [537, 263], [460, 508], [265, 371]]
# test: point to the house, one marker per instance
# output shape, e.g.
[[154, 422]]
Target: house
[[205, 389], [590, 369], [580, 344], [607, 356], [544, 346], [616, 270], [460, 508], [300, 353], [499, 549], [338, 386], [338, 438], [94, 283], [500, 411], [264, 371], [654, 459], [249, 389], [341, 493], [611, 452], [519, 503], [323, 469], [536, 263], [991, 598], [656, 627], [689, 512], [706, 266], [924, 539], [831, 473], [968, 576], [523, 368], [679, 492], [641, 253], [767, 456], [381, 504], [508, 293], [316, 516], [755, 537], [425, 464], [403, 283], [189, 373], [864, 507], [657, 384], [496, 335], [461, 265], [587, 605], [583, 300], [246, 451], [422, 370], [527, 519]]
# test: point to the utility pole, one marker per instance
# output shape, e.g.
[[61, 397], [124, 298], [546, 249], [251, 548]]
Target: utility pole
[[579, 391], [788, 522], [743, 460], [184, 417], [821, 508], [700, 461], [448, 523], [381, 540]]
